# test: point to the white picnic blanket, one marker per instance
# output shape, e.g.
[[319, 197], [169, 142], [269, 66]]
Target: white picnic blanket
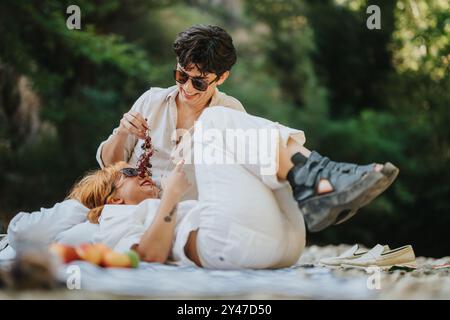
[[158, 280]]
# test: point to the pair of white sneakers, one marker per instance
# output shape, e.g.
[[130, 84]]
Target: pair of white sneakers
[[380, 255]]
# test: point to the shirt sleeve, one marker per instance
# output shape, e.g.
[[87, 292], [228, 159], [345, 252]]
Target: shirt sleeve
[[142, 106], [78, 234], [45, 225], [131, 238], [237, 105], [231, 102], [121, 227]]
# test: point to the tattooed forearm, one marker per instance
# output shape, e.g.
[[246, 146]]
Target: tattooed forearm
[[169, 217]]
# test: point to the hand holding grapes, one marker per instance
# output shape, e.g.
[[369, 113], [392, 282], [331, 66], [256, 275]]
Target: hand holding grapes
[[132, 123]]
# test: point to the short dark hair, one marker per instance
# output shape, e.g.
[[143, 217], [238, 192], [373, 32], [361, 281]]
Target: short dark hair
[[209, 48]]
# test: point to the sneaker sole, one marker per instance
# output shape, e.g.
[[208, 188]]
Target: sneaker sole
[[410, 265], [337, 207]]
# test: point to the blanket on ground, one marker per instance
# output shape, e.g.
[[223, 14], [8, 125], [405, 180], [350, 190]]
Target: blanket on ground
[[157, 280], [154, 280]]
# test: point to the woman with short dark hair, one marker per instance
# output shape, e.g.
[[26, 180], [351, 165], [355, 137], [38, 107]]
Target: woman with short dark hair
[[205, 55]]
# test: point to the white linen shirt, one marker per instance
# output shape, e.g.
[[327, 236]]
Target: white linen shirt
[[65, 222], [158, 106], [122, 226]]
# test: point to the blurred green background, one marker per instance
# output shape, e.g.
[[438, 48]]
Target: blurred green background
[[360, 95]]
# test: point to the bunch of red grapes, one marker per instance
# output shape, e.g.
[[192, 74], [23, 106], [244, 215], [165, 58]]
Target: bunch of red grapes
[[144, 166]]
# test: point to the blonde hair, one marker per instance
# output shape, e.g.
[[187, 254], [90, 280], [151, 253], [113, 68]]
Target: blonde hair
[[96, 188]]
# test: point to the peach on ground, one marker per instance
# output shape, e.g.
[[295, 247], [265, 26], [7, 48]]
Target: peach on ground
[[64, 252]]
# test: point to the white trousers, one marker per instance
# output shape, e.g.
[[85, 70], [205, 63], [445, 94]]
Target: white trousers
[[247, 219]]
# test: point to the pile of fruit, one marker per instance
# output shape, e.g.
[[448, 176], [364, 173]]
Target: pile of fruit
[[97, 254]]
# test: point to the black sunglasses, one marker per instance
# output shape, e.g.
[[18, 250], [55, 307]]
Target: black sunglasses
[[129, 172], [134, 172], [200, 84]]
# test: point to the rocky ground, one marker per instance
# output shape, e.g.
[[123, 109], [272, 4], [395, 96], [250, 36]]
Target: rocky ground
[[422, 283]]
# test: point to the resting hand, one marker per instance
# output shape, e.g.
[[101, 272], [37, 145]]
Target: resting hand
[[175, 184]]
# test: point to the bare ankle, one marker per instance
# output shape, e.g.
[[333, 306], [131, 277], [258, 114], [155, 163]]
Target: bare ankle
[[285, 155], [293, 147]]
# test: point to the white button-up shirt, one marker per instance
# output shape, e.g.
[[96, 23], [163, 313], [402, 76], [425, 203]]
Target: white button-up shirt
[[158, 105], [122, 226]]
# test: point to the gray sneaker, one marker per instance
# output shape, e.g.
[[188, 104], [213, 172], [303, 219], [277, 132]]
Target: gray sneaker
[[354, 186]]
